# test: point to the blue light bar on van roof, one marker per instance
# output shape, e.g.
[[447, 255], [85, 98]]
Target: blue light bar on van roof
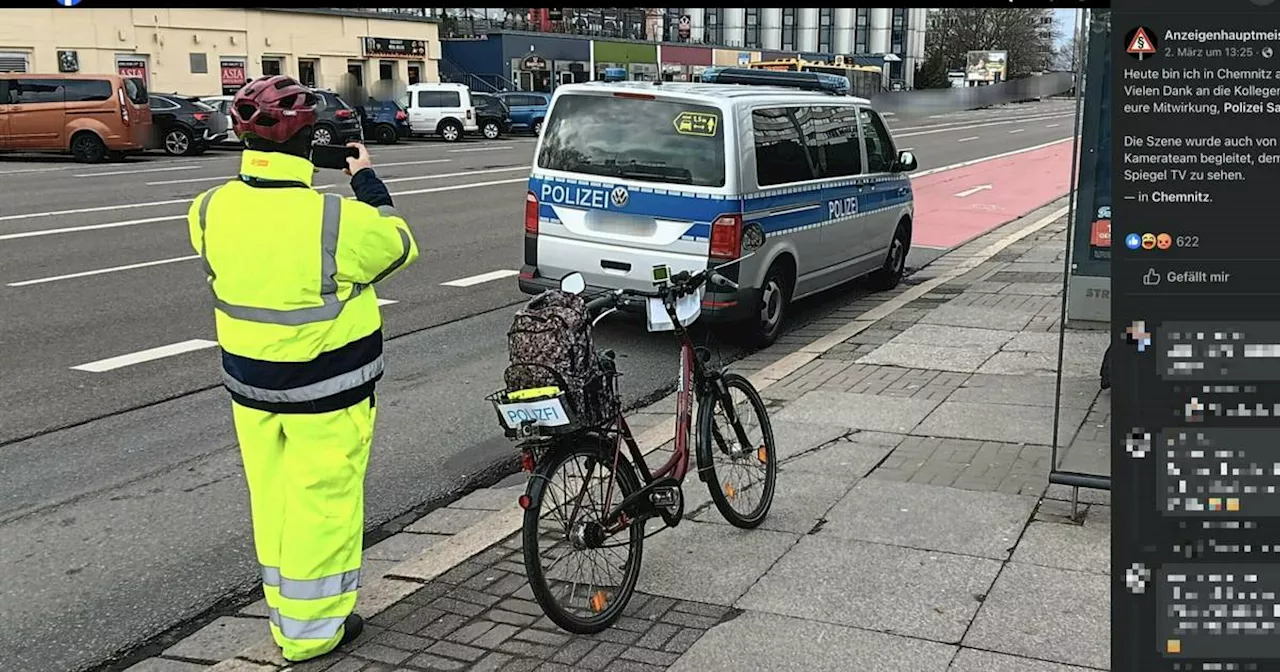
[[808, 81]]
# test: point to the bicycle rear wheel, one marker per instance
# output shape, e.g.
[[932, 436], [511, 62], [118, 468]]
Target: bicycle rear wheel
[[731, 484], [567, 501]]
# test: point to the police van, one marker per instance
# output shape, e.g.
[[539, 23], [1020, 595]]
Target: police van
[[632, 175]]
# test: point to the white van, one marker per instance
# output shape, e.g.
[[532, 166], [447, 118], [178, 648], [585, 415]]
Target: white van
[[629, 175], [442, 109]]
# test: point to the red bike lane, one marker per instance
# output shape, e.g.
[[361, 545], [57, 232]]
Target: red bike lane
[[958, 205]]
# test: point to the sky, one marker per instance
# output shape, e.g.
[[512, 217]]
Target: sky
[[1064, 24]]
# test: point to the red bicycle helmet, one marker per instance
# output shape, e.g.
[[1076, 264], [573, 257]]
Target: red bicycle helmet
[[273, 108]]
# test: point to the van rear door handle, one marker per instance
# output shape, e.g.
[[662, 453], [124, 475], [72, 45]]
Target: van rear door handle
[[615, 265]]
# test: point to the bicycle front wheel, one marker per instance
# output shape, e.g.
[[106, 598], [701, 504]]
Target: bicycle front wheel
[[581, 575], [742, 476]]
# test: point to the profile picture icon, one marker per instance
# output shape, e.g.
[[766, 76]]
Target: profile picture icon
[[1140, 43], [1137, 334]]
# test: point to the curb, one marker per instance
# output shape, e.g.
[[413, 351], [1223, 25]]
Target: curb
[[407, 577]]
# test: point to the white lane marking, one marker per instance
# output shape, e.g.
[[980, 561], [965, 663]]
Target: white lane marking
[[220, 178], [972, 123], [480, 279], [410, 163], [171, 218], [969, 192], [104, 365], [33, 170], [386, 302], [1018, 130], [1005, 122], [907, 149], [134, 172], [463, 173], [478, 149], [102, 208], [1052, 125], [473, 185], [984, 159], [969, 139], [94, 227], [100, 271]]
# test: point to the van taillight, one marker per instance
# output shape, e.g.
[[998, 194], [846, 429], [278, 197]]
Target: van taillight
[[531, 214], [124, 109], [726, 237], [469, 111]]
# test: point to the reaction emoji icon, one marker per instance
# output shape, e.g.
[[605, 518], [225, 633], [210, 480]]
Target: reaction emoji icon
[[1148, 241], [1164, 241], [1133, 241]]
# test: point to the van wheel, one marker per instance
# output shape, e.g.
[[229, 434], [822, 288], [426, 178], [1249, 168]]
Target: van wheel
[[895, 263], [88, 148], [385, 134], [177, 142], [771, 313], [451, 131]]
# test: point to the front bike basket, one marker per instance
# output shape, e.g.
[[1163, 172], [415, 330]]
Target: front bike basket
[[543, 411]]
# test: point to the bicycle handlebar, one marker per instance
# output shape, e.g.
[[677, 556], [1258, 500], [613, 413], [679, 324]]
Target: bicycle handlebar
[[682, 284]]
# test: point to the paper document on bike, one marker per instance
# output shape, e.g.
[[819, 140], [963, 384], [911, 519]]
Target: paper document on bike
[[547, 412], [688, 309]]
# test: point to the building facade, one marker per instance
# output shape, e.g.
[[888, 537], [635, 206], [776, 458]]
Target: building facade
[[899, 31], [205, 52]]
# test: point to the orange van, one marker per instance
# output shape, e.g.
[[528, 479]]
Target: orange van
[[94, 117]]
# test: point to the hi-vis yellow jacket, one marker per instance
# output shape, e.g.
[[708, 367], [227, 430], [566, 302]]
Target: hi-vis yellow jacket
[[292, 273]]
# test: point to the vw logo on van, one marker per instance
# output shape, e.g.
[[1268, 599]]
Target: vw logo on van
[[619, 196]]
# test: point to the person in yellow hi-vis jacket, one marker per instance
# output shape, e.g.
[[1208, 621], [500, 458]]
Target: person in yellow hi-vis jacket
[[292, 272]]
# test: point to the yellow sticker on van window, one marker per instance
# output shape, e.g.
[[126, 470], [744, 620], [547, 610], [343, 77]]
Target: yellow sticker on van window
[[697, 123]]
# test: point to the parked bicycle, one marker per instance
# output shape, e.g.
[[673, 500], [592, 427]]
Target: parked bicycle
[[585, 494]]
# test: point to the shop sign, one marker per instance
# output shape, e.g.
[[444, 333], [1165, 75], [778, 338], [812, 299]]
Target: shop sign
[[132, 68], [684, 27], [233, 73], [533, 62], [394, 47]]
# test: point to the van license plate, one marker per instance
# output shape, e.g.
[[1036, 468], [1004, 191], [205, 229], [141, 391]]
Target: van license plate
[[540, 413]]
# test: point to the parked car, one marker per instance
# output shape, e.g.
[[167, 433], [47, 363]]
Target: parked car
[[222, 106], [385, 121], [632, 175], [186, 125], [94, 117], [492, 115], [528, 109], [338, 122], [441, 109]]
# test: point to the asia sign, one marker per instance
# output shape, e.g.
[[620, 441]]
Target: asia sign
[[233, 73], [132, 68], [986, 66], [391, 47]]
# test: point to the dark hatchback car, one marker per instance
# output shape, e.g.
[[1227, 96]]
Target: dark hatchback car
[[185, 125], [492, 115], [338, 122], [385, 121]]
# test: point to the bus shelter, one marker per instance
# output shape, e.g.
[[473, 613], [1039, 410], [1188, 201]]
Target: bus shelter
[[1082, 413]]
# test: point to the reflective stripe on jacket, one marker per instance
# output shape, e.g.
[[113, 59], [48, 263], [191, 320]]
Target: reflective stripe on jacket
[[291, 272]]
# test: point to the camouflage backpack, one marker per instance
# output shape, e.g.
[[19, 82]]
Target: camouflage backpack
[[550, 343]]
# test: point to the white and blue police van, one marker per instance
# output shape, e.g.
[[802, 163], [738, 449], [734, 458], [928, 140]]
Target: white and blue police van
[[632, 175]]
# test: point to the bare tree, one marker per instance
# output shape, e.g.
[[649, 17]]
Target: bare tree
[[1025, 33]]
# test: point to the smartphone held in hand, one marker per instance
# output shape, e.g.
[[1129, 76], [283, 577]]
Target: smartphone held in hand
[[332, 156]]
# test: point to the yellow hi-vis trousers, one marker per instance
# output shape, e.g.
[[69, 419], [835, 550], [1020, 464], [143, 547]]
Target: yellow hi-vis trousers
[[306, 490]]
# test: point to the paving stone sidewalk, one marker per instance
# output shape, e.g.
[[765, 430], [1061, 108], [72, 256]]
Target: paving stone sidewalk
[[913, 529]]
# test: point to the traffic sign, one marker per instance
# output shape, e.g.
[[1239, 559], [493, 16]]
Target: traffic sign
[[1141, 44]]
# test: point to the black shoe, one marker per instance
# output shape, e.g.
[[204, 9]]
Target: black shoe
[[351, 629]]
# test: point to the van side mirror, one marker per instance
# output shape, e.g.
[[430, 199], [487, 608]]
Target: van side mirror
[[906, 162]]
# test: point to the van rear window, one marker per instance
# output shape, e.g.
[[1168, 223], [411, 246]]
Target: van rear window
[[634, 138], [136, 90]]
